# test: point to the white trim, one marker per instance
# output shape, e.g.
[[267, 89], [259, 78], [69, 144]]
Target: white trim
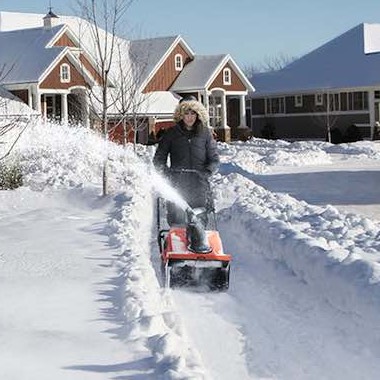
[[65, 73], [227, 77], [178, 62], [317, 101], [228, 59], [298, 101], [76, 63], [335, 113], [176, 42]]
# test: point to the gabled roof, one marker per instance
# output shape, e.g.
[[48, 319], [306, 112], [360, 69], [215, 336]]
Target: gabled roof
[[201, 72], [350, 60], [24, 53], [152, 53]]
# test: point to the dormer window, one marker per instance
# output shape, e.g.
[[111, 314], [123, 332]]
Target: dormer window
[[178, 62], [65, 73], [227, 76]]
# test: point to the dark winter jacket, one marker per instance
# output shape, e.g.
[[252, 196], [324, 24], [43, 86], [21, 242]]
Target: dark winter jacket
[[187, 150]]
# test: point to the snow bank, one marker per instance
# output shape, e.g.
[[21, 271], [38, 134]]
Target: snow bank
[[335, 253]]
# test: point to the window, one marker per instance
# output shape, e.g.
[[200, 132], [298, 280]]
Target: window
[[298, 101], [178, 62], [354, 101], [215, 111], [227, 76], [358, 101], [319, 99], [275, 105], [65, 73], [333, 102]]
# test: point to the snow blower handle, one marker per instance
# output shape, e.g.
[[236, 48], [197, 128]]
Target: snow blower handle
[[189, 171]]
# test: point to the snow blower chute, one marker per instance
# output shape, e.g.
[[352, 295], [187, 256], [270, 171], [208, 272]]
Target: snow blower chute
[[192, 255]]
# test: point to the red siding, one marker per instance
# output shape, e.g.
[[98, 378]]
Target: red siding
[[236, 83], [65, 40], [21, 94], [166, 74], [53, 79]]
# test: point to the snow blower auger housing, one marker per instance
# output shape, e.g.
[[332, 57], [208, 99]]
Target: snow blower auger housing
[[192, 256]]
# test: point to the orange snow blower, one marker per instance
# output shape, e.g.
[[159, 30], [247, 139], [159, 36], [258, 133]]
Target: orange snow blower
[[192, 255]]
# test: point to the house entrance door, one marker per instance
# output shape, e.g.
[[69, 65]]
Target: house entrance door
[[52, 107]]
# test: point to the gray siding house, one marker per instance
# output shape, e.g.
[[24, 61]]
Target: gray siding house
[[335, 88]]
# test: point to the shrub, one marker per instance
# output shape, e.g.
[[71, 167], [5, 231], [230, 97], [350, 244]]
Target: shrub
[[336, 136], [352, 134], [268, 131], [10, 176]]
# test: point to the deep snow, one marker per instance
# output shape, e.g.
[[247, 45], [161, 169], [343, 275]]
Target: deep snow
[[81, 295]]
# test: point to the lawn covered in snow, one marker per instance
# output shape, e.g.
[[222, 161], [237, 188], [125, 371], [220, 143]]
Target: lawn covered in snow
[[81, 294]]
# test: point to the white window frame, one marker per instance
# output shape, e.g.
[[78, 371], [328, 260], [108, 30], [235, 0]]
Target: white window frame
[[178, 62], [275, 105], [64, 73], [298, 101], [318, 98], [227, 76]]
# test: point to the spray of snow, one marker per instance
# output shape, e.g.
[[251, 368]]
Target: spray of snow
[[163, 187]]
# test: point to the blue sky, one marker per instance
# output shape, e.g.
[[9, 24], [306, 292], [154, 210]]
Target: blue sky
[[252, 31]]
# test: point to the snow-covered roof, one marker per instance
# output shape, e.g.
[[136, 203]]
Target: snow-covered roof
[[145, 53], [24, 56], [150, 52], [350, 60], [198, 72]]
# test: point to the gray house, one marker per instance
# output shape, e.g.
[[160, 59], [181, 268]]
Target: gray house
[[335, 88]]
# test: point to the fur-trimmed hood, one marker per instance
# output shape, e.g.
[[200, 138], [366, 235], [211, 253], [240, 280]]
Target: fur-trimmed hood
[[193, 105]]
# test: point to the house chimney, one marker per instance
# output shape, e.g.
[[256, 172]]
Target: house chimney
[[50, 20]]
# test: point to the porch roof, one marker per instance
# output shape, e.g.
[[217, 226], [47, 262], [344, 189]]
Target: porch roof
[[197, 73]]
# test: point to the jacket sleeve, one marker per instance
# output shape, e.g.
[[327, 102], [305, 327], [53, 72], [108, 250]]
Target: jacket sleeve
[[212, 155], [161, 156]]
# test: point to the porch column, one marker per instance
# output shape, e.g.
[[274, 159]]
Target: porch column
[[64, 109], [371, 109], [30, 97], [207, 106], [224, 112], [86, 116], [243, 120], [224, 131], [36, 100]]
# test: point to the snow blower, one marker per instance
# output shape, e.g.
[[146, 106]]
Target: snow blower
[[191, 255]]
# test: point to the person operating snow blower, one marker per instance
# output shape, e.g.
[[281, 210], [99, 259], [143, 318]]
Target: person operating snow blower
[[193, 155], [191, 249]]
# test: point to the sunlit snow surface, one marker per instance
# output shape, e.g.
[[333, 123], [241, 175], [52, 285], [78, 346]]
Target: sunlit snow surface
[[81, 294]]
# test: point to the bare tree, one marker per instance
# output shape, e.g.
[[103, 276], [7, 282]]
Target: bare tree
[[104, 18], [270, 63], [325, 116], [129, 100], [13, 118]]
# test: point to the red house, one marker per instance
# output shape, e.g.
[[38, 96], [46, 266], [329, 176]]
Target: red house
[[52, 66]]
